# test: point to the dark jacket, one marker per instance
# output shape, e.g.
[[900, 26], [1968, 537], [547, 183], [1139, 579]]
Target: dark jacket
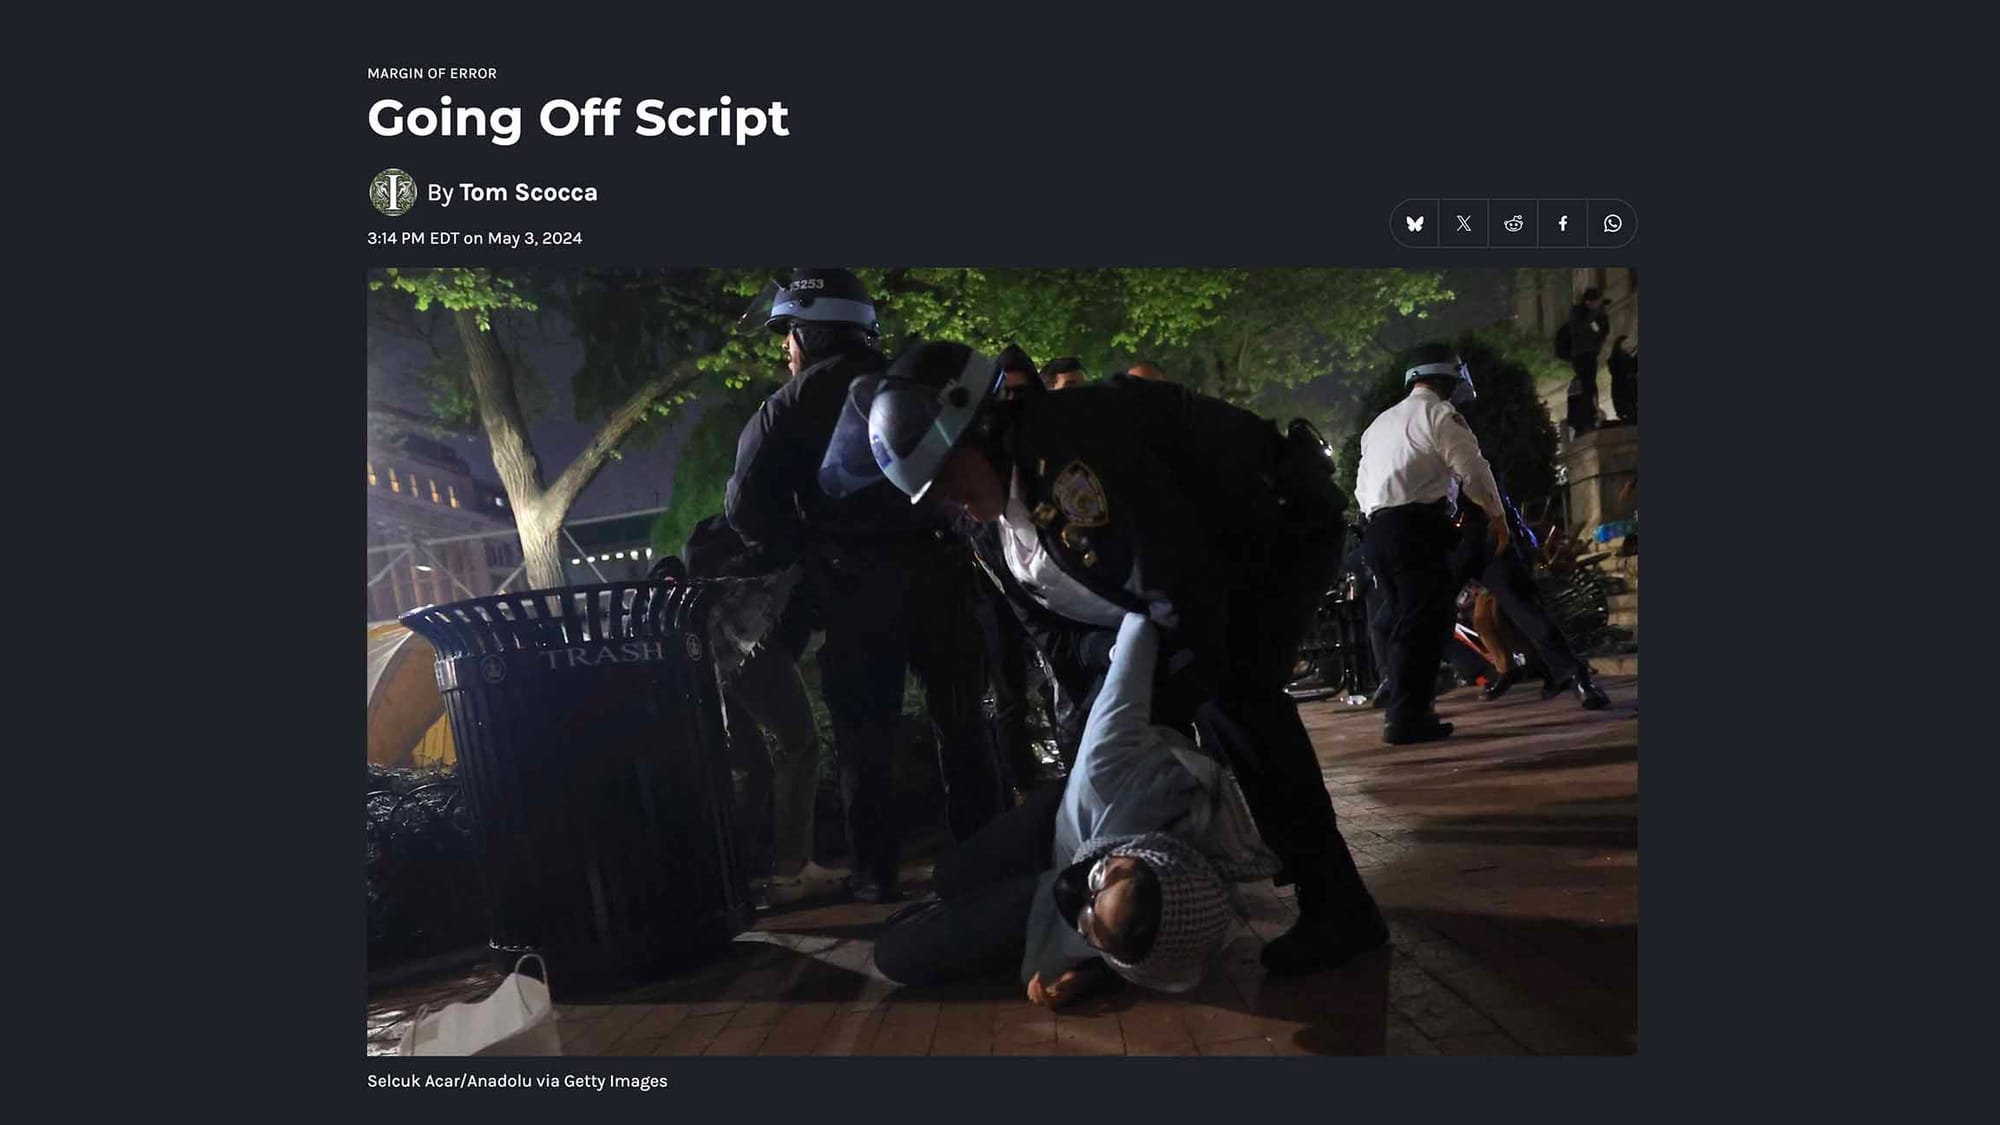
[[1586, 331], [1076, 653], [1162, 501], [774, 500], [1624, 383], [1474, 548]]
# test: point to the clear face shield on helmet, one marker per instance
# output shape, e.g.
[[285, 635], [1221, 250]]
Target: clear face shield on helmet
[[849, 465], [1462, 392], [902, 430], [757, 314]]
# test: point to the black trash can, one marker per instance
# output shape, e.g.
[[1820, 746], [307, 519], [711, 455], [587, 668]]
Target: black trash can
[[588, 725]]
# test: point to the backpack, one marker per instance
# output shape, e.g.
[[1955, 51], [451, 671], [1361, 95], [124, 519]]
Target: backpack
[[1563, 342]]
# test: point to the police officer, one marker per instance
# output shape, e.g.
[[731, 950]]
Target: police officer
[[891, 583], [1060, 644], [1588, 324], [1416, 458], [1139, 496], [1007, 640]]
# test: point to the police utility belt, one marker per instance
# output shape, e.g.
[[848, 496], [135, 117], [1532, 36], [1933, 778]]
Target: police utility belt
[[1441, 508]]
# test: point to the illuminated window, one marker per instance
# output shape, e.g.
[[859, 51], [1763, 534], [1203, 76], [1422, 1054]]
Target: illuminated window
[[371, 474], [394, 484], [434, 493], [453, 493]]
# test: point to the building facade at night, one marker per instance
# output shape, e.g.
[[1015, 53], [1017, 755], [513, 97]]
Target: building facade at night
[[438, 534], [432, 527]]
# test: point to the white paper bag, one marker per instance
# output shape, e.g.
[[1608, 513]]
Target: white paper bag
[[516, 1020]]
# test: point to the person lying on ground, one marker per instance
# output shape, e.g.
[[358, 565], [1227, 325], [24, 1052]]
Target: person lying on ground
[[1126, 871]]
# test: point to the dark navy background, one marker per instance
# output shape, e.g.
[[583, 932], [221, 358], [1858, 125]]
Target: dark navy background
[[1163, 157], [1015, 135]]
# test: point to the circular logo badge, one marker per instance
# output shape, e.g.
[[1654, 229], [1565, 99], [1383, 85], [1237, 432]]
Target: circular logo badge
[[392, 191], [494, 667], [693, 647]]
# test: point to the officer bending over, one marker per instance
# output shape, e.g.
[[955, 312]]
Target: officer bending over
[[1137, 496], [1060, 644]]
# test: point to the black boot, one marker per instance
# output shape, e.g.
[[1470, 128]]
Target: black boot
[[1381, 697], [1429, 729], [1589, 694], [1499, 687], [1338, 918]]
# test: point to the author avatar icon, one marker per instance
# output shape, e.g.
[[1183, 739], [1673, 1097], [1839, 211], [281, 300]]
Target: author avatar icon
[[392, 191]]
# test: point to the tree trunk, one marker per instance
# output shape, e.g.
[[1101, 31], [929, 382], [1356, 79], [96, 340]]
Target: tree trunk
[[539, 511], [492, 375], [541, 545]]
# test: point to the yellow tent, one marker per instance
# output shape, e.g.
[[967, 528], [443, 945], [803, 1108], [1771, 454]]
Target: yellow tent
[[407, 725]]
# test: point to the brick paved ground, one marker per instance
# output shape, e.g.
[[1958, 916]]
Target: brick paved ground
[[1506, 859]]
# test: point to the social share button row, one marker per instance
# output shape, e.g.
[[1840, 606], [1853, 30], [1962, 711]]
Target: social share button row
[[1513, 222]]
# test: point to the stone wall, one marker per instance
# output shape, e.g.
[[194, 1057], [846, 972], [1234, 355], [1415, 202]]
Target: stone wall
[[1599, 465]]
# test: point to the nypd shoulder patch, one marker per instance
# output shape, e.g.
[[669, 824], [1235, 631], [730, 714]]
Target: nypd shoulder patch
[[1081, 496]]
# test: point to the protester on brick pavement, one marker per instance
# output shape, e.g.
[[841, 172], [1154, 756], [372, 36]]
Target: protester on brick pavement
[[1127, 870]]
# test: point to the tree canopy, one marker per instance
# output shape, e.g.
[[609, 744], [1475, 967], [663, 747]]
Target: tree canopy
[[707, 457], [1251, 336]]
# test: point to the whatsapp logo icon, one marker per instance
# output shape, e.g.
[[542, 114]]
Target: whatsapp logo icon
[[392, 191]]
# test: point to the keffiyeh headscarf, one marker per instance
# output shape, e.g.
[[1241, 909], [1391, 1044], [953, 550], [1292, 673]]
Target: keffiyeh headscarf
[[1194, 909]]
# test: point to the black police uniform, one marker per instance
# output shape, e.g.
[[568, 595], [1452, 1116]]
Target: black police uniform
[[1007, 669], [1201, 515], [1586, 338], [1075, 655], [1624, 367], [893, 591]]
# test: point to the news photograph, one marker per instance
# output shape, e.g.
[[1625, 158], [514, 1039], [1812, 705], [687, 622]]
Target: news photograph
[[959, 661]]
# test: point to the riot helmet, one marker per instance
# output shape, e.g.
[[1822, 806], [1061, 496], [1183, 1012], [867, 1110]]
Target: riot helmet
[[1436, 363], [902, 424], [817, 302]]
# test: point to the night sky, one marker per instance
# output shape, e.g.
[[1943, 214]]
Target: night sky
[[642, 479]]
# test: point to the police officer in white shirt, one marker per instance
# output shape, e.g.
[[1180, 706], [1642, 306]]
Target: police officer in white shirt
[[1417, 458]]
